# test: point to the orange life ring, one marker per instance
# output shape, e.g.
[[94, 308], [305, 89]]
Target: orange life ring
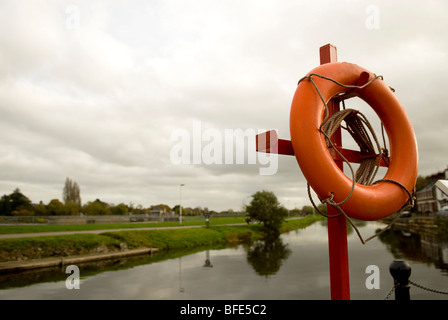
[[370, 202]]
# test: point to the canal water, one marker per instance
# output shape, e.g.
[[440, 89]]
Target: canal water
[[292, 267]]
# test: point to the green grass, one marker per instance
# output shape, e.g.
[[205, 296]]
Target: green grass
[[54, 246], [165, 239], [188, 221], [295, 224], [186, 238]]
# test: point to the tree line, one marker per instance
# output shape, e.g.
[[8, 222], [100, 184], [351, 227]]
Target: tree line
[[17, 204]]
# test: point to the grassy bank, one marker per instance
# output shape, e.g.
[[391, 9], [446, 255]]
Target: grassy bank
[[78, 244], [187, 221]]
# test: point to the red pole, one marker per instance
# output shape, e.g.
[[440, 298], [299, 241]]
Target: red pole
[[337, 232]]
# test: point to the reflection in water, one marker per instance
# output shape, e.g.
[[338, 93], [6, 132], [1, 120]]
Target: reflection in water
[[421, 247], [181, 288], [208, 263], [89, 269], [267, 256], [57, 273], [292, 266]]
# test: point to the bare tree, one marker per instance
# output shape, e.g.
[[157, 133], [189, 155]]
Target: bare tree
[[71, 192]]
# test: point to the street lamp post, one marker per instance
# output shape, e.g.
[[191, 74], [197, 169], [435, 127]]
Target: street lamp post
[[180, 205], [207, 217]]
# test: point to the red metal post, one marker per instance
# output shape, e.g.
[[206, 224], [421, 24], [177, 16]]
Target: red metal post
[[337, 232], [328, 53], [337, 229]]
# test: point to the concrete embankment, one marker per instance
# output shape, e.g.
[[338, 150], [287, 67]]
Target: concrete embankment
[[430, 226], [28, 251], [11, 266], [19, 260]]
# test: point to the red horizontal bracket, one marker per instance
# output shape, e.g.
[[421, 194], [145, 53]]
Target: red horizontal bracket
[[270, 143], [353, 156]]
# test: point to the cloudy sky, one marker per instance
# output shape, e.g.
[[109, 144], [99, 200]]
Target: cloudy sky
[[96, 90]]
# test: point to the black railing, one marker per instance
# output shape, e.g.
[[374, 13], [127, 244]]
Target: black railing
[[401, 271]]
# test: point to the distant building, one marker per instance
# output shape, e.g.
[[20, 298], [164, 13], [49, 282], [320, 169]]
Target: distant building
[[157, 211], [441, 189], [426, 199], [434, 196]]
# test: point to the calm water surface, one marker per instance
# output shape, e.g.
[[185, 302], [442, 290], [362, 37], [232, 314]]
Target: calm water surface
[[295, 266]]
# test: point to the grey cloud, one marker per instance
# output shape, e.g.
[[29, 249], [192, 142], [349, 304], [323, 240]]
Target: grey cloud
[[99, 102]]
